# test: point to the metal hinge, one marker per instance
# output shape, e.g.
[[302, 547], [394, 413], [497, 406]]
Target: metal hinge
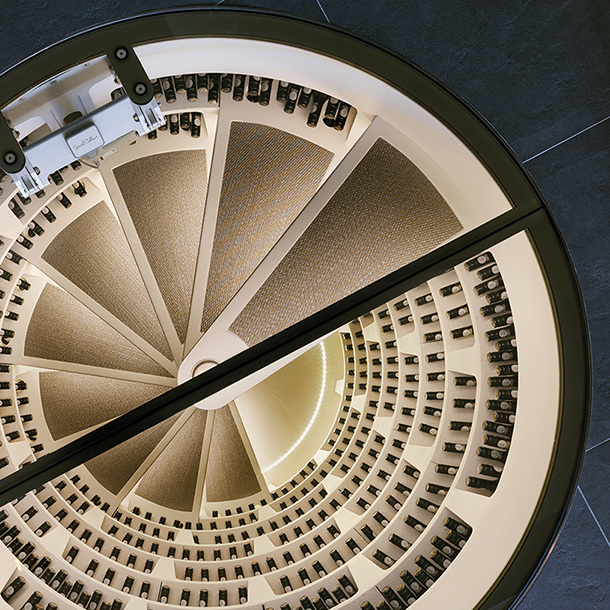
[[137, 112]]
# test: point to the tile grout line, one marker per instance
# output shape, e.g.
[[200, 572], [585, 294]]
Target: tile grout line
[[594, 517], [323, 11], [598, 444], [562, 141]]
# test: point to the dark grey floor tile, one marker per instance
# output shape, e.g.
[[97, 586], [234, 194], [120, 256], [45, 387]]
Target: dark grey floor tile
[[532, 69], [45, 26], [575, 181], [594, 484], [576, 575], [35, 25], [309, 9]]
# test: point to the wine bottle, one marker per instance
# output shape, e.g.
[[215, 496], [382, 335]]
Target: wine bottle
[[479, 261], [239, 84]]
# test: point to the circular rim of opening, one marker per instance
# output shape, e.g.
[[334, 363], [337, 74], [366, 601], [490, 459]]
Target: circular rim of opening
[[480, 138]]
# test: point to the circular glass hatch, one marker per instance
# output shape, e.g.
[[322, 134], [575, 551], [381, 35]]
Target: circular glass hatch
[[285, 325]]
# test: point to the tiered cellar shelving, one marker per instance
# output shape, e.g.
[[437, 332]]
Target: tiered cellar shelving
[[448, 394]]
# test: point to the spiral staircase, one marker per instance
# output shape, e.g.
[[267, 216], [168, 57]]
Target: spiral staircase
[[385, 463]]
